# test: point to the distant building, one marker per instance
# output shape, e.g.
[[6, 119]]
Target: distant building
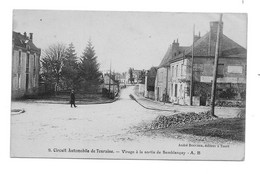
[[150, 77], [174, 74], [25, 65], [110, 83]]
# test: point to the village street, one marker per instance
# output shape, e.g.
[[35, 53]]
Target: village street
[[45, 128]]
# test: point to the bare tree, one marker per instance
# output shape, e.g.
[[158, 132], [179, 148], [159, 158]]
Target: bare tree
[[51, 64]]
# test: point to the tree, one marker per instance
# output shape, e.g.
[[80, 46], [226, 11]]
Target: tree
[[89, 69], [142, 77], [52, 62], [70, 72], [131, 77]]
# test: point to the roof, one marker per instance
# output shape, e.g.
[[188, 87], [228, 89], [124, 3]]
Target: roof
[[22, 41], [169, 55], [229, 49], [112, 77]]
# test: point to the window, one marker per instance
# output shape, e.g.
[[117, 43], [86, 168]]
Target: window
[[220, 70], [19, 81], [172, 71], [175, 90], [19, 58], [171, 89], [34, 61], [27, 82], [180, 90], [181, 69], [34, 80], [27, 72], [34, 64], [176, 70], [27, 62], [235, 69]]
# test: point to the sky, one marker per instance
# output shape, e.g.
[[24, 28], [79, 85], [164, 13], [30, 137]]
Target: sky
[[126, 39]]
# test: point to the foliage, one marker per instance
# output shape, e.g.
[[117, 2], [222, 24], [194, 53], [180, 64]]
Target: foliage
[[227, 94], [70, 71], [131, 76], [142, 77], [51, 64], [89, 73]]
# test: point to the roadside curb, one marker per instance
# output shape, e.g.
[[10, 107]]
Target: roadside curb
[[67, 102], [17, 111], [151, 108]]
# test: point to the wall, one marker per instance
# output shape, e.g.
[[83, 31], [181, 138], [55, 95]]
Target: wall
[[33, 82], [141, 89], [234, 70], [178, 82], [160, 83], [180, 75]]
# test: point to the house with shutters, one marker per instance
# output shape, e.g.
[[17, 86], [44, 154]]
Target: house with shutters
[[174, 77], [25, 65], [163, 75]]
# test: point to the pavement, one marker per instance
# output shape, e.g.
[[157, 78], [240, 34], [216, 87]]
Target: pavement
[[222, 112]]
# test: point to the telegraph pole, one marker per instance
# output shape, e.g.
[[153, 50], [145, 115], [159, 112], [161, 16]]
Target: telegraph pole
[[109, 78], [214, 82], [192, 62]]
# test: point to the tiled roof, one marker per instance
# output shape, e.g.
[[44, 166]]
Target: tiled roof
[[21, 41], [166, 57], [229, 48]]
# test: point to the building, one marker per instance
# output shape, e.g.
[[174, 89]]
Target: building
[[137, 75], [162, 80], [111, 84], [150, 77], [25, 65], [174, 75]]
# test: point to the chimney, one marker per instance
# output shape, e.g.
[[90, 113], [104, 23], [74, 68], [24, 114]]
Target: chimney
[[214, 28], [196, 37], [213, 37], [31, 36], [175, 48], [25, 34]]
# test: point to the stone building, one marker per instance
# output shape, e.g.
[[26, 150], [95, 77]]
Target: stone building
[[150, 82], [25, 65], [176, 68], [162, 80]]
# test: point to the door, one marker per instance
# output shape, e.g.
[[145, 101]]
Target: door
[[158, 93]]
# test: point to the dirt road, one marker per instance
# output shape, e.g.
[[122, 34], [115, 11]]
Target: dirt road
[[50, 130]]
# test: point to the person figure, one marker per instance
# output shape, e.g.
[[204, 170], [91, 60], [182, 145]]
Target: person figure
[[72, 99]]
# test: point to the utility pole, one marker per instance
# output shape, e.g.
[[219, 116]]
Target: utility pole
[[109, 84], [166, 89], [113, 83], [214, 82], [192, 62]]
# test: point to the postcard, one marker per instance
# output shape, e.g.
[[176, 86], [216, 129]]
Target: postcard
[[128, 85]]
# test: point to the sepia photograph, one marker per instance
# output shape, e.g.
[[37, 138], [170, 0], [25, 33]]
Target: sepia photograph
[[128, 85]]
